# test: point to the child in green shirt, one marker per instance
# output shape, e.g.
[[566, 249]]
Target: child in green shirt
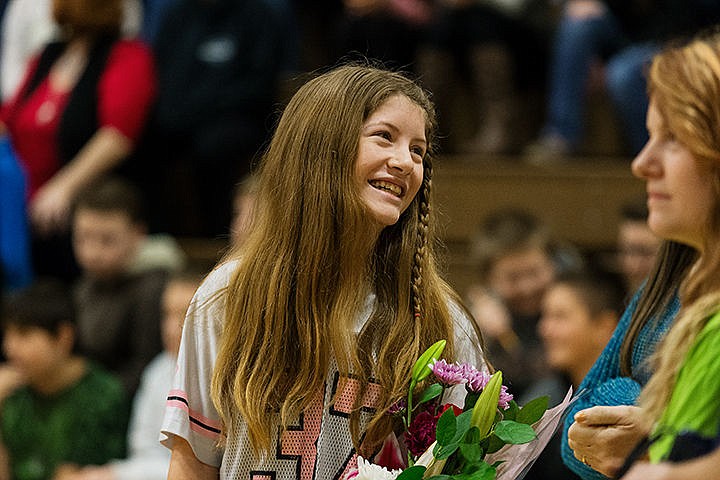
[[57, 410]]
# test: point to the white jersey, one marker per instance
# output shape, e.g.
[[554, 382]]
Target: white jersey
[[318, 446]]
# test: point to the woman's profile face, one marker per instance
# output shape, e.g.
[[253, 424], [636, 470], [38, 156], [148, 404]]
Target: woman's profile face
[[389, 166], [679, 188]]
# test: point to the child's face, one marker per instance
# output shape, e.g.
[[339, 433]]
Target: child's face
[[175, 302], [104, 242], [568, 330], [34, 352], [521, 278], [389, 167]]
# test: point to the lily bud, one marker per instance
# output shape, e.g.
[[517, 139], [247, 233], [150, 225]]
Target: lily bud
[[486, 406]]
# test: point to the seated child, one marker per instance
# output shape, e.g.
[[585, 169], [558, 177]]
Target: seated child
[[147, 458], [58, 410], [118, 305]]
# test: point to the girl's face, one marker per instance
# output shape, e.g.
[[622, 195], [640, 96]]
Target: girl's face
[[389, 167], [679, 188]]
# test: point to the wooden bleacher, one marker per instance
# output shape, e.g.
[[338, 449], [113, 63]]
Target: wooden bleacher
[[580, 199]]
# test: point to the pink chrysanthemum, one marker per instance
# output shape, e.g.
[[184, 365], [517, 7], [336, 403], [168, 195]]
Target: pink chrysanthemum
[[476, 380], [421, 433], [505, 398], [449, 373]]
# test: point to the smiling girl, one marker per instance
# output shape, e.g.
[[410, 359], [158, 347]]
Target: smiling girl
[[299, 342]]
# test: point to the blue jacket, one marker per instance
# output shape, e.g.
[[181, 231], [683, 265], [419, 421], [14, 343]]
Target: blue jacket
[[15, 266], [604, 385]]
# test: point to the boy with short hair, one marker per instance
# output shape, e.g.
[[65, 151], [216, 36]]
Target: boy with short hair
[[59, 410], [118, 306]]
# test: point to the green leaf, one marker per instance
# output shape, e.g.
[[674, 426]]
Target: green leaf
[[421, 369], [446, 427], [494, 444], [470, 399], [512, 412], [433, 391], [463, 424], [514, 432], [444, 451], [472, 435], [415, 472], [483, 472], [471, 452], [440, 477], [533, 410]]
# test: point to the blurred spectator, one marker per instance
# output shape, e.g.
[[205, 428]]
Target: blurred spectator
[[384, 30], [59, 411], [28, 25], [147, 458], [15, 266], [637, 245], [243, 208], [153, 14], [77, 115], [220, 66], [623, 35], [479, 43], [118, 308], [517, 259], [579, 314]]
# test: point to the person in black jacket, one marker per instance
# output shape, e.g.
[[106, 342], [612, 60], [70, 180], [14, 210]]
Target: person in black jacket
[[220, 64]]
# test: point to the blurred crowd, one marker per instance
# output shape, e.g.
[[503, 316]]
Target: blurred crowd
[[127, 124]]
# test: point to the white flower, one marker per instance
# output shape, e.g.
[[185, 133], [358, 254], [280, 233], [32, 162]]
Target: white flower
[[369, 471]]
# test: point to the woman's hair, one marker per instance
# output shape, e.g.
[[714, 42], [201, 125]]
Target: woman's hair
[[303, 279], [684, 84], [94, 17]]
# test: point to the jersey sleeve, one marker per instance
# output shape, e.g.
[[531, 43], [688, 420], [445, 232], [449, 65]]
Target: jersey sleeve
[[189, 411], [127, 89]]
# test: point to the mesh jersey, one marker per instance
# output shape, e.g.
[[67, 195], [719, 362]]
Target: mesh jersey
[[317, 446]]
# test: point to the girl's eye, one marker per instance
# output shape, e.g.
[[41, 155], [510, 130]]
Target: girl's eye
[[384, 134], [419, 151]]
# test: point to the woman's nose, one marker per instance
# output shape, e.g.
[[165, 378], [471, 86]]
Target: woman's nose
[[645, 163]]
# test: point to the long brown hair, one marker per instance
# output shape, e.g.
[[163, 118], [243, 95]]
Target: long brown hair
[[684, 83], [303, 278]]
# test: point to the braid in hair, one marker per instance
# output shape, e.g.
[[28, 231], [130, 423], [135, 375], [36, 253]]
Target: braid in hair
[[422, 239]]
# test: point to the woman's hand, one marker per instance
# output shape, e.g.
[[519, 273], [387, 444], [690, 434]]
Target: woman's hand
[[603, 437], [50, 207]]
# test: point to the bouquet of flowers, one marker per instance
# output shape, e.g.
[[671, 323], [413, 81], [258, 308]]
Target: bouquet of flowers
[[489, 438]]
